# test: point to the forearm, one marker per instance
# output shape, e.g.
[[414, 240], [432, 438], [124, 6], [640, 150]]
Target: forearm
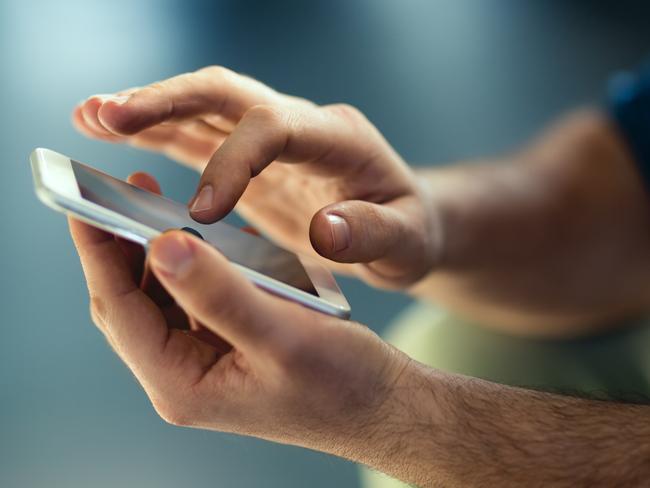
[[532, 242], [449, 430], [493, 218]]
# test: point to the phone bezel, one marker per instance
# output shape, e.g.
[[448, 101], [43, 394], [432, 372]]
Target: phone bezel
[[56, 186]]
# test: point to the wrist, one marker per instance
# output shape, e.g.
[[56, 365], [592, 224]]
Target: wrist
[[406, 432], [369, 425], [434, 225]]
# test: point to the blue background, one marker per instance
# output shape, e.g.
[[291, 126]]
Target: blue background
[[444, 80]]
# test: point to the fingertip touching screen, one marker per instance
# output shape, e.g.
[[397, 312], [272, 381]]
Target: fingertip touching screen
[[163, 214]]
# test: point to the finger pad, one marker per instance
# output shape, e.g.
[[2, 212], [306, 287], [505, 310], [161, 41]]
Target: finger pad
[[145, 181]]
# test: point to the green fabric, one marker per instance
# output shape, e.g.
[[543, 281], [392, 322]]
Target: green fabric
[[615, 364]]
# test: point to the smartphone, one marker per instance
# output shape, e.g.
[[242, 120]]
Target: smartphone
[[138, 215]]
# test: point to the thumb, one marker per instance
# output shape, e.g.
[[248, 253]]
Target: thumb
[[210, 289], [392, 236]]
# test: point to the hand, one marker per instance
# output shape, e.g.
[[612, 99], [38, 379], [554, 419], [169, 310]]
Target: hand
[[316, 179], [256, 365], [553, 240], [263, 366]]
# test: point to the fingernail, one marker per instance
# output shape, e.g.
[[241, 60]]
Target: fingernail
[[119, 99], [173, 256], [340, 232], [203, 201]]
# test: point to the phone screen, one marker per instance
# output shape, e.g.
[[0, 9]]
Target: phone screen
[[163, 214]]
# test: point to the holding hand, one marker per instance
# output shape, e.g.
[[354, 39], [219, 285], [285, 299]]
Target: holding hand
[[256, 364]]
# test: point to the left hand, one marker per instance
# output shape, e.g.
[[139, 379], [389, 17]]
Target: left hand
[[257, 364], [318, 180]]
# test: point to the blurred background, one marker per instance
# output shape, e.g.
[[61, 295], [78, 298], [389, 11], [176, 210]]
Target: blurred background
[[444, 80]]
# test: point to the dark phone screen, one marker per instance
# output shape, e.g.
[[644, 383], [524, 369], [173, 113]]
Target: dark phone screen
[[163, 214]]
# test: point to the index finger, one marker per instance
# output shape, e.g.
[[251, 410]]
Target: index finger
[[209, 91], [335, 141]]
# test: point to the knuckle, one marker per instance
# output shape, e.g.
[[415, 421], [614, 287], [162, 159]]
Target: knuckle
[[173, 413], [216, 72], [372, 215], [265, 114], [157, 88], [162, 91], [98, 312], [348, 112]]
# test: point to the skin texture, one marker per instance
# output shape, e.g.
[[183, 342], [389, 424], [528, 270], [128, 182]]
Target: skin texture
[[450, 430], [552, 241], [278, 371], [232, 368], [334, 162]]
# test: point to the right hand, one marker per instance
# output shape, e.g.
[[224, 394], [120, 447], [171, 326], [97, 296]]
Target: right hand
[[318, 180], [213, 351]]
